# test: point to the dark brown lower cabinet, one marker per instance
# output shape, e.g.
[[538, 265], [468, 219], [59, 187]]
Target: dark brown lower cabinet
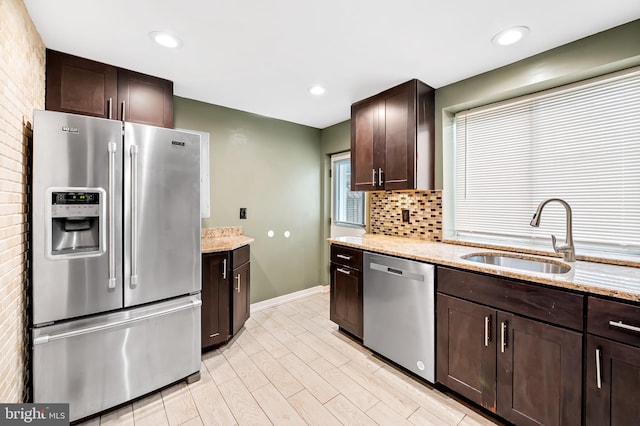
[[539, 372], [215, 309], [240, 297], [345, 308], [612, 383], [226, 278], [526, 371]]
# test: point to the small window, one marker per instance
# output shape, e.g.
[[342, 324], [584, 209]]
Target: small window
[[348, 205]]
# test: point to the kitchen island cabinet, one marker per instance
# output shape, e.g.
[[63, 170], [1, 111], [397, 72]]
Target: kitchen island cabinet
[[225, 294], [523, 369], [392, 139], [82, 86], [345, 306]]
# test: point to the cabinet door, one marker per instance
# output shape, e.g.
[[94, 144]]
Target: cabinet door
[[345, 307], [241, 283], [80, 86], [539, 372], [398, 131], [612, 383], [466, 344], [216, 301], [145, 99], [364, 142]]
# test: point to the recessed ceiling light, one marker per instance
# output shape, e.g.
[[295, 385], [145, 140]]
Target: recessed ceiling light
[[317, 90], [510, 36], [165, 39]]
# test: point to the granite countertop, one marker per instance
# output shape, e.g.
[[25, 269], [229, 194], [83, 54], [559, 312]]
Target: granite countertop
[[223, 239], [622, 282]]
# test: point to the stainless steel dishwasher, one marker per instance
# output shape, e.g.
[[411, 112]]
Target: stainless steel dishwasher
[[399, 312]]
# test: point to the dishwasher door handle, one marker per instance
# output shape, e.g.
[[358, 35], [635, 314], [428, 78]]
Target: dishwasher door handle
[[396, 272]]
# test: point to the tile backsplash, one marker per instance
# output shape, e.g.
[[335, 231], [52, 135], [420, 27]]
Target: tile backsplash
[[424, 210]]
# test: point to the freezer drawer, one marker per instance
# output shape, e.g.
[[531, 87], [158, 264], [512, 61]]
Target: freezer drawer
[[100, 362]]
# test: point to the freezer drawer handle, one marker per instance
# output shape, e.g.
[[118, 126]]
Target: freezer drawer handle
[[624, 326], [134, 216], [112, 147], [48, 338]]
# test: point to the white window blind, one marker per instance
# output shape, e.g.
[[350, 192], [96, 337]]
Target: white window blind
[[579, 142]]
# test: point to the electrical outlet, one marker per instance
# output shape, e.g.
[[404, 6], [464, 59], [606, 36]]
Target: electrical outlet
[[243, 212], [405, 215]]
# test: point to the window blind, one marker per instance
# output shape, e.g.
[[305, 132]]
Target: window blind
[[579, 142]]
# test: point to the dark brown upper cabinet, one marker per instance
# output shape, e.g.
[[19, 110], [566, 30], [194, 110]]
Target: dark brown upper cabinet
[[145, 99], [393, 139], [81, 86]]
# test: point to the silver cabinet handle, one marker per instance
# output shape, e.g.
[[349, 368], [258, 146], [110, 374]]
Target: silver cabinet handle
[[380, 178], [112, 148], [503, 335], [124, 110], [110, 104], [238, 278], [224, 269], [134, 216], [342, 256], [487, 320], [598, 368], [97, 328], [624, 326], [344, 271], [373, 171]]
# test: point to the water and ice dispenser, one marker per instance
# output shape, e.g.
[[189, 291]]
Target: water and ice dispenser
[[76, 222]]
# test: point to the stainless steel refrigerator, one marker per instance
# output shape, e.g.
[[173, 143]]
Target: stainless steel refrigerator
[[116, 273]]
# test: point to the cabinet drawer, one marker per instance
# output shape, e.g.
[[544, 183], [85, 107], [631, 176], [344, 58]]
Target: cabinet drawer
[[240, 256], [546, 304], [346, 256], [625, 316]]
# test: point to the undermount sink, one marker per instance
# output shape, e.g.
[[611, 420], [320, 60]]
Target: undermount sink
[[530, 264]]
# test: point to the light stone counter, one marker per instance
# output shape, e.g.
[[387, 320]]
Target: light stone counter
[[593, 278], [223, 239]]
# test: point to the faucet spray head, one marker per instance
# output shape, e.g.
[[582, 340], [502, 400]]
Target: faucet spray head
[[535, 221]]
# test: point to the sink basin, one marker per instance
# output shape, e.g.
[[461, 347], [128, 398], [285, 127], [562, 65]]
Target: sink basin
[[524, 263]]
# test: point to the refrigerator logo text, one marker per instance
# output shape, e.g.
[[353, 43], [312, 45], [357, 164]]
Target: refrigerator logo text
[[178, 143], [70, 129]]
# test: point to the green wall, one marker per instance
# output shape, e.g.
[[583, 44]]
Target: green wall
[[274, 169], [333, 140], [605, 52]]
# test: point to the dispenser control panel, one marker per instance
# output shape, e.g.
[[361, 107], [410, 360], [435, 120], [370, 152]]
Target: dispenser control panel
[[75, 204]]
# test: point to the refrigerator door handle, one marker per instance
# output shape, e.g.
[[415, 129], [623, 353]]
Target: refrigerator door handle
[[102, 327], [112, 147], [134, 216]]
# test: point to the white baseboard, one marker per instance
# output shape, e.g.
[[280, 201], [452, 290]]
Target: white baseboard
[[270, 303]]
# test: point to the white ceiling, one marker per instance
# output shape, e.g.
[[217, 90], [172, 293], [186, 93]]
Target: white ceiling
[[262, 56]]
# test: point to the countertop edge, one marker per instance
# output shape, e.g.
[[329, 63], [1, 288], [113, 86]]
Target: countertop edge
[[220, 244], [411, 246]]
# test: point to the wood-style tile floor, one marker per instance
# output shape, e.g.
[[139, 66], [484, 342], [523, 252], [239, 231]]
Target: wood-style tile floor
[[291, 366]]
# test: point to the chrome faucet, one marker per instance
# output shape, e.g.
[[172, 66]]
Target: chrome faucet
[[568, 250]]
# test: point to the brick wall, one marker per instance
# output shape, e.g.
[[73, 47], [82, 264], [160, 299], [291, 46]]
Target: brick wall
[[424, 209], [22, 60]]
